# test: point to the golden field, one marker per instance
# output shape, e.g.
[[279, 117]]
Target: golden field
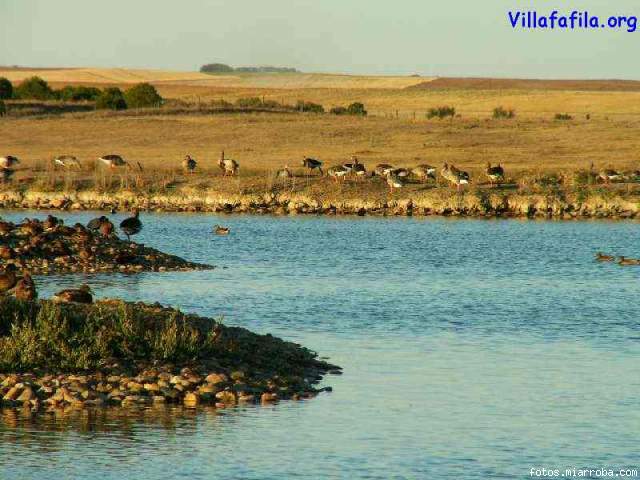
[[528, 146]]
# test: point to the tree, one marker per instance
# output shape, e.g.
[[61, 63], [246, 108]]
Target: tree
[[356, 108], [6, 89], [111, 98], [216, 68], [34, 87], [3, 108], [142, 95], [76, 94]]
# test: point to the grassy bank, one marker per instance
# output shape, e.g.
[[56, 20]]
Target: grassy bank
[[112, 352]]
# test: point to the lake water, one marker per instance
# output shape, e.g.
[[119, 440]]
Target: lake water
[[470, 348]]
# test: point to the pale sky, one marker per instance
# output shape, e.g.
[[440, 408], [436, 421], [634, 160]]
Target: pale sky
[[429, 37]]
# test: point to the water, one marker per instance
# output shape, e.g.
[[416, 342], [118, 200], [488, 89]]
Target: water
[[470, 348]]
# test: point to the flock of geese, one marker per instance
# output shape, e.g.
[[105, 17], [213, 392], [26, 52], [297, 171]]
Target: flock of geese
[[396, 177]]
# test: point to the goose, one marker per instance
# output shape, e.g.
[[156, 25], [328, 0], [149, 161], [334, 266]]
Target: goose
[[95, 223], [8, 161], [339, 171], [51, 222], [25, 288], [6, 174], [66, 161], [228, 166], [601, 257], [74, 295], [359, 169], [628, 261], [8, 278], [312, 164], [382, 169], [495, 174], [220, 230], [284, 172], [106, 228], [608, 175], [132, 225], [189, 164], [113, 161], [399, 172], [394, 182], [424, 172], [454, 175]]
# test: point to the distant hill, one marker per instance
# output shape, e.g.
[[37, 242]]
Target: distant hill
[[527, 84]]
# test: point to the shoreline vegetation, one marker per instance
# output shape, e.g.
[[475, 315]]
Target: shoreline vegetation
[[478, 202], [116, 353]]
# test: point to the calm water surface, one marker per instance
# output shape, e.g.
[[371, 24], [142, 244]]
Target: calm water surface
[[471, 349]]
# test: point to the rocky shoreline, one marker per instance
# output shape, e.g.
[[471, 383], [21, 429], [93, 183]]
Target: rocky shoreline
[[437, 202], [115, 353], [50, 247]]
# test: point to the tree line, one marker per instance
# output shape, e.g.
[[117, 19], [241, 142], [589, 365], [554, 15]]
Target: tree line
[[224, 68]]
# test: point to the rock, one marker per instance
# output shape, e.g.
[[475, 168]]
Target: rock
[[27, 395], [268, 397], [191, 399], [215, 378], [226, 397], [12, 394]]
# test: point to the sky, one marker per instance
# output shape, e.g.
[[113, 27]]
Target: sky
[[427, 37]]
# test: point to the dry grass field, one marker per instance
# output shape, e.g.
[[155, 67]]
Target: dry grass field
[[529, 146]]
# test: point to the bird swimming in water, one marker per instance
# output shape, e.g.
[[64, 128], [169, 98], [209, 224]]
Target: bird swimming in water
[[220, 230]]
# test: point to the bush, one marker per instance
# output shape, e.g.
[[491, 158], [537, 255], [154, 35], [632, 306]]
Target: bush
[[338, 111], [35, 88], [76, 94], [563, 116], [142, 95], [303, 106], [500, 112], [6, 89], [441, 112], [111, 98], [356, 108], [249, 102], [216, 68], [3, 108]]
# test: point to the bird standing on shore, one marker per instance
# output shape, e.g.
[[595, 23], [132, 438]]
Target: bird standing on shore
[[284, 172], [95, 223], [8, 278], [383, 169], [66, 161], [312, 164], [132, 225], [113, 161], [228, 166], [394, 182], [8, 161], [455, 175], [337, 172], [609, 175], [189, 164], [74, 295], [424, 171], [495, 174], [25, 288]]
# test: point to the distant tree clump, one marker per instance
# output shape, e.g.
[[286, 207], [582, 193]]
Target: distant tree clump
[[249, 102], [356, 108], [338, 110], [142, 95], [500, 112], [3, 108], [6, 89], [563, 116], [441, 112], [77, 94], [303, 106], [216, 68], [111, 98], [34, 88]]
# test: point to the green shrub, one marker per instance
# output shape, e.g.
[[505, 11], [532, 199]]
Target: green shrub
[[338, 111], [6, 89], [3, 108], [216, 68], [249, 102], [441, 112], [303, 106], [563, 116], [500, 112], [356, 108], [34, 88], [111, 98], [142, 95], [75, 94]]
